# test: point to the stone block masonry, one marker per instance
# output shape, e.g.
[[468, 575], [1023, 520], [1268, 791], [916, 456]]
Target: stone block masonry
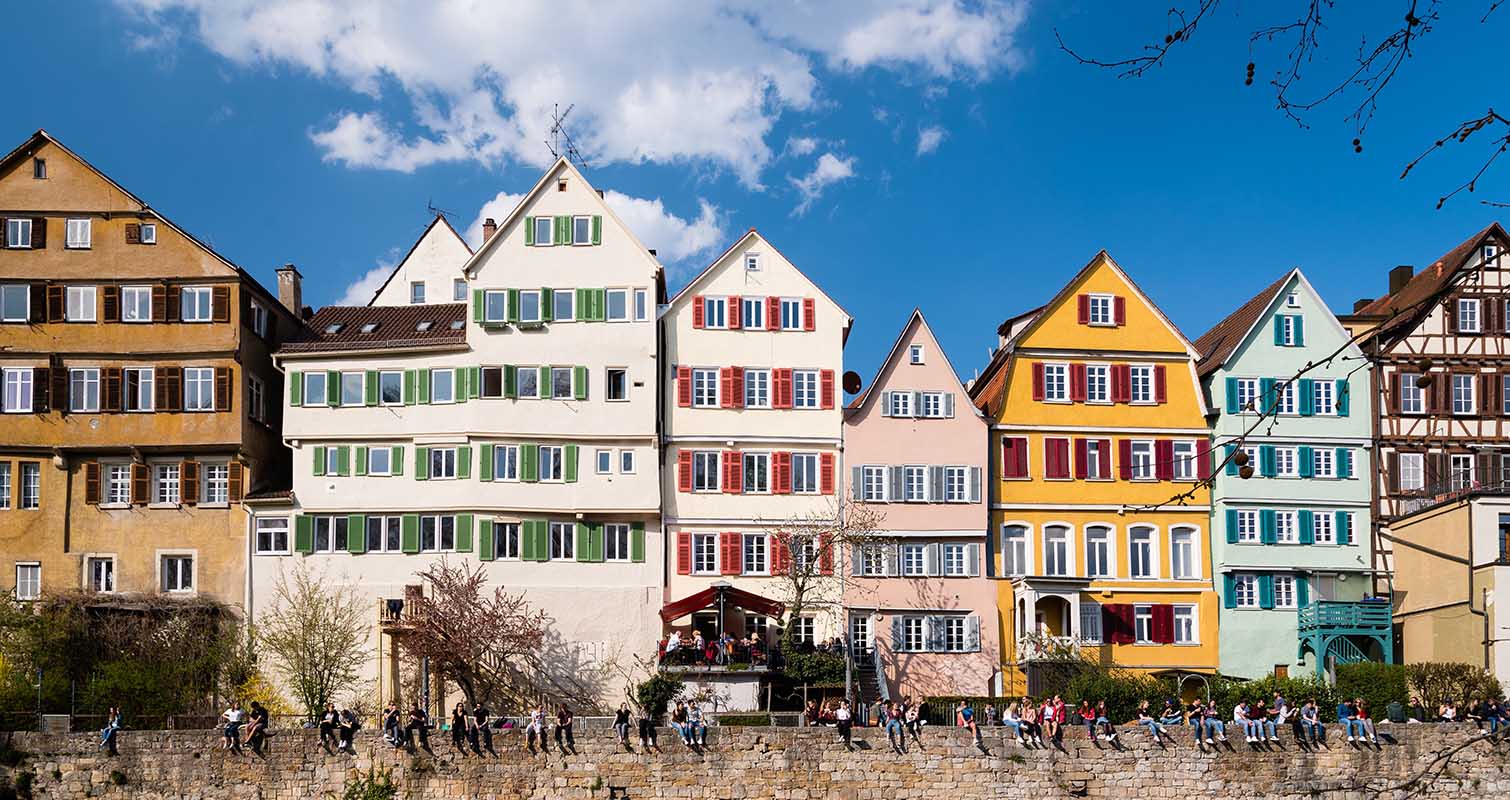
[[775, 763]]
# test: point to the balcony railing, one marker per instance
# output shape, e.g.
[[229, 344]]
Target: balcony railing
[[1368, 616], [1454, 488], [1047, 648]]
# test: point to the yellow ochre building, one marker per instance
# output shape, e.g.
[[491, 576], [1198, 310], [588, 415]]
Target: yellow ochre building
[[1099, 525]]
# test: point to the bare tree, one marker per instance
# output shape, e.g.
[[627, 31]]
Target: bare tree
[[808, 552], [316, 631], [482, 641]]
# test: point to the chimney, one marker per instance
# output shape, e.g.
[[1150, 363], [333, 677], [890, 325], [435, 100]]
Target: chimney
[[489, 227], [290, 289], [1360, 303], [652, 251], [1399, 276]]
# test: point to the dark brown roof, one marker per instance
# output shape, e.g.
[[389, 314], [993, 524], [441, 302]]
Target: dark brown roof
[[1429, 281], [397, 328], [1217, 344]]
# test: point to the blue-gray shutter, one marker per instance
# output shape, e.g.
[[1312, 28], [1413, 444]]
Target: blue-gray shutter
[[972, 560], [975, 484], [972, 633]]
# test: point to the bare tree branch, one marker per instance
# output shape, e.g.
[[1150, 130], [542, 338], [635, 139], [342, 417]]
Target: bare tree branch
[[1154, 54]]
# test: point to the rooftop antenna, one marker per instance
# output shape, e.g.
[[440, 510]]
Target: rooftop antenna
[[560, 136], [430, 206]]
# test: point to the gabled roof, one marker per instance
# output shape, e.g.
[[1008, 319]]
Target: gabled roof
[[397, 328], [895, 353], [1428, 282], [753, 233], [41, 136], [1217, 344], [440, 219]]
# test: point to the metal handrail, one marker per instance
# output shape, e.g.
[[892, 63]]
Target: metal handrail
[[884, 693], [1372, 615]]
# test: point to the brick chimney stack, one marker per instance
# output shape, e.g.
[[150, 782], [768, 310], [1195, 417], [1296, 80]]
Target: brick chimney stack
[[291, 290], [489, 227]]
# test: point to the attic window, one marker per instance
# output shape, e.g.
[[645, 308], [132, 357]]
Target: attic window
[[369, 327], [334, 327], [1490, 251], [39, 169], [561, 184], [1292, 300], [457, 325], [752, 262], [424, 326]]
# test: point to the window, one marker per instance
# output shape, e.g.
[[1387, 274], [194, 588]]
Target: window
[[1014, 550], [15, 302], [18, 233], [752, 313], [442, 386], [616, 384], [28, 581], [383, 535], [954, 557], [5, 485], [1284, 591], [1322, 530], [791, 314], [165, 484], [715, 310], [804, 388], [1412, 398], [1323, 462], [616, 542], [954, 635], [1101, 310], [872, 562], [1505, 384], [31, 485], [752, 262], [76, 234], [955, 490], [757, 473], [1285, 527], [914, 484], [1247, 394], [1286, 395], [872, 484], [1286, 462], [1245, 590], [544, 231], [1459, 471], [641, 305], [506, 462], [529, 306], [1324, 397], [390, 388], [933, 405], [755, 554], [101, 574], [352, 385], [1056, 383], [1184, 467], [81, 304], [1288, 329], [1056, 550], [417, 292], [1098, 551], [314, 388], [913, 636], [1462, 394], [18, 386], [443, 462], [84, 390], [915, 354], [1182, 554], [1090, 622], [1412, 472], [757, 388], [215, 482], [563, 305], [1292, 300], [438, 533], [115, 480], [495, 306], [1098, 383], [605, 462], [626, 462], [804, 630], [1143, 461], [529, 382], [1247, 525], [804, 473], [1186, 631], [1141, 378], [136, 304], [458, 290], [901, 404], [194, 304], [705, 471], [1097, 460], [804, 550], [256, 399], [581, 230], [136, 394], [1468, 315], [1141, 553], [506, 540], [705, 388], [332, 460], [39, 169], [149, 233], [1143, 624], [704, 554], [178, 573], [912, 558], [199, 389]]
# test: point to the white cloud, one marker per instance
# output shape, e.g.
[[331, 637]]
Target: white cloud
[[656, 81], [674, 238], [800, 146], [361, 291], [495, 209], [829, 170], [930, 138]]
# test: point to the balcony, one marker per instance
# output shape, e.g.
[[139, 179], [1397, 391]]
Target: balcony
[[391, 609], [1047, 648], [1455, 488], [1366, 618]]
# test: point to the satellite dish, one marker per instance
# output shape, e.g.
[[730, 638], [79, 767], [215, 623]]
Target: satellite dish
[[852, 382]]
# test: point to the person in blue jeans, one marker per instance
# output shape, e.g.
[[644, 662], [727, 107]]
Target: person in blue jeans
[[1103, 719], [894, 732], [1349, 719], [1310, 723], [967, 720], [1263, 722]]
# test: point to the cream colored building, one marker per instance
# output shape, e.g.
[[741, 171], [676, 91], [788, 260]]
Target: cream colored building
[[431, 272]]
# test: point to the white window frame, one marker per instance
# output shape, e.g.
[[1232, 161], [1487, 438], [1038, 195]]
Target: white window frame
[[77, 233], [616, 541], [84, 381], [1460, 470], [1016, 549], [353, 383], [1143, 624], [506, 540], [609, 396], [201, 308], [149, 233], [495, 306], [791, 313], [30, 587], [569, 392], [707, 471], [954, 635], [416, 293], [914, 483], [309, 397], [31, 486], [1185, 466], [1245, 590], [806, 389], [18, 233], [901, 404], [757, 388], [752, 313], [1140, 384], [1287, 329], [199, 389], [564, 299], [756, 549], [458, 290], [80, 303], [1324, 397], [1247, 394], [805, 465], [24, 290], [705, 547], [626, 462], [525, 295], [1323, 462], [1287, 462], [1412, 465], [505, 462], [608, 303], [171, 569], [1323, 527], [389, 530], [912, 560], [1287, 398], [167, 484], [603, 461], [954, 559], [752, 262], [933, 405], [715, 312], [372, 461], [442, 386], [915, 354], [98, 570], [1056, 383], [1185, 553], [705, 387], [1144, 466], [551, 464], [442, 465], [437, 525], [545, 231], [1056, 535], [873, 482], [115, 484], [1150, 559], [956, 484], [532, 374], [581, 224], [214, 483], [1284, 591], [397, 378], [1100, 551], [1102, 310], [1286, 527], [136, 304], [1469, 319], [1464, 394], [1247, 526], [1187, 624], [1412, 397], [755, 472], [5, 485], [1098, 384], [641, 305]]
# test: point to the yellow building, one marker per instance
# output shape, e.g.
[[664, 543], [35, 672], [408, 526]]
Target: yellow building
[[1099, 516]]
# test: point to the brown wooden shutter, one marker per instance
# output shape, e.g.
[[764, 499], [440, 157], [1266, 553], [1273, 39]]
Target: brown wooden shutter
[[1394, 472], [1450, 313], [56, 310], [1489, 394], [222, 388], [41, 385], [160, 389], [188, 482], [112, 303], [38, 310], [133, 233], [38, 233], [220, 304], [1392, 402], [235, 480], [59, 381], [92, 482], [175, 380], [159, 304], [174, 296], [110, 390], [3, 226], [141, 487]]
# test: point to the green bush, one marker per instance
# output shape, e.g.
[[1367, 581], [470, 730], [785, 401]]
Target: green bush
[[1227, 692], [1438, 682], [1378, 684], [117, 777], [657, 692], [745, 720], [1122, 690], [815, 668], [375, 784]]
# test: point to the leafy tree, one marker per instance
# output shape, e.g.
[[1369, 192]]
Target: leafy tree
[[316, 633], [815, 542]]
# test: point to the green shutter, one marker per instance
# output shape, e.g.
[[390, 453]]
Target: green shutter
[[1268, 465], [527, 540], [584, 543], [1231, 526], [1302, 591], [1307, 397], [529, 231], [529, 462], [547, 305], [463, 533], [563, 230], [1232, 467], [1344, 459], [332, 388], [370, 384], [595, 542], [510, 381], [1306, 519], [459, 385], [356, 534], [424, 386], [1268, 526], [1266, 591], [545, 390], [319, 465], [485, 465], [1232, 406], [1300, 331], [409, 388], [1268, 396], [570, 473], [474, 382], [584, 305], [477, 306], [514, 306], [600, 304], [361, 460], [1229, 590], [1307, 463], [296, 389], [579, 382], [409, 533], [1342, 527], [464, 462], [421, 463], [637, 541], [485, 547], [1279, 330], [597, 228], [1342, 395], [304, 535], [343, 460], [396, 460]]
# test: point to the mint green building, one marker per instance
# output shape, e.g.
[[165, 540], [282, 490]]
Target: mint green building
[[1291, 521]]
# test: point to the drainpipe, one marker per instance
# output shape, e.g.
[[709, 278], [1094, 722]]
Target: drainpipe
[[1482, 610]]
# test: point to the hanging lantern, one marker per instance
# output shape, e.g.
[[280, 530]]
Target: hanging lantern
[[1246, 472]]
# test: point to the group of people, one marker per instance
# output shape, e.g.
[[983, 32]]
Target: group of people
[[402, 733], [687, 720], [725, 649], [340, 727], [256, 721], [1489, 714]]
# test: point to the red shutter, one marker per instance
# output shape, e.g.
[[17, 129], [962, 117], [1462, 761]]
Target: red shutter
[[1105, 449], [726, 387], [1121, 383], [825, 554], [684, 470], [782, 378], [826, 388], [1014, 457], [809, 317], [737, 380], [1077, 383], [782, 472], [684, 387], [697, 311], [730, 460], [1163, 459], [1124, 459], [683, 553], [781, 557], [1082, 455], [1037, 381], [734, 312], [731, 554], [1128, 619], [92, 482], [1119, 310], [1160, 385], [826, 473], [773, 313], [1203, 460], [1083, 309], [737, 471], [1163, 624]]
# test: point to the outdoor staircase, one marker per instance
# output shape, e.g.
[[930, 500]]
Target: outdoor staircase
[[870, 678], [1344, 651]]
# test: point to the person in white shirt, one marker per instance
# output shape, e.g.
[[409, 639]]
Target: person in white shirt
[[233, 717], [845, 721]]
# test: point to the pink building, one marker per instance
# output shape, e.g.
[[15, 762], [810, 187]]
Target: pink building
[[916, 452]]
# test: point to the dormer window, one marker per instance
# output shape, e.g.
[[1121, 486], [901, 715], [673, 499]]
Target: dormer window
[[1292, 300], [457, 325], [369, 327], [424, 326], [752, 262], [334, 327]]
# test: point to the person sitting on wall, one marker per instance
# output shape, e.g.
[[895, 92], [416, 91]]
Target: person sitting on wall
[[257, 727], [391, 733], [348, 728], [1012, 719], [418, 725], [232, 718], [1263, 722], [1348, 718], [1365, 721], [1173, 716], [1154, 727], [1310, 723], [1031, 730], [480, 715], [110, 734], [329, 722]]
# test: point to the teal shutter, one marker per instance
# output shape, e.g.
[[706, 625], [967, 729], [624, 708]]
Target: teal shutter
[[579, 382], [1229, 590], [477, 306], [1267, 526], [1342, 397], [485, 464], [1300, 331], [361, 459], [584, 545], [304, 535], [356, 534], [1232, 406], [570, 473], [637, 541], [1344, 462], [409, 388], [1307, 464], [1232, 467], [1302, 591], [1231, 526], [1307, 522], [424, 386], [1267, 464], [510, 381], [463, 533], [1279, 330], [486, 548], [296, 389], [597, 229], [421, 463], [1266, 591], [529, 231], [396, 460], [1307, 397], [1268, 398], [319, 465], [409, 533], [1343, 525], [464, 462]]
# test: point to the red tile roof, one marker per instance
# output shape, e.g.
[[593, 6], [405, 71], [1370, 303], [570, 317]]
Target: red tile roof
[[1217, 344], [1431, 280], [337, 328]]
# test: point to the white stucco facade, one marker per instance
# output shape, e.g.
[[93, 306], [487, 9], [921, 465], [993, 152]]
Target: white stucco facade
[[430, 271]]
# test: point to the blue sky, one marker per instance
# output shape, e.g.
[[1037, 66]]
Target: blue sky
[[320, 136]]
